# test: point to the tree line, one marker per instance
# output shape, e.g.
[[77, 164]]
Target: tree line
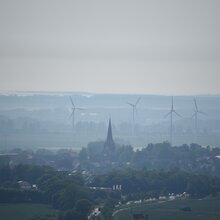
[[144, 183], [191, 158]]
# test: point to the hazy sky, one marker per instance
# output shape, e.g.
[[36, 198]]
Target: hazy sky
[[140, 46]]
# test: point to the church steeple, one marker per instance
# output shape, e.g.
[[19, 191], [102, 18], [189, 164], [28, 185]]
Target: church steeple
[[109, 145], [109, 135]]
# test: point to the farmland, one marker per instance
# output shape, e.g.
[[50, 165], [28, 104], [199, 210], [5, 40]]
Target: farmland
[[203, 209], [25, 211]]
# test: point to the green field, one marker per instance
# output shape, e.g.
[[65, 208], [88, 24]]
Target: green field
[[24, 211], [205, 209]]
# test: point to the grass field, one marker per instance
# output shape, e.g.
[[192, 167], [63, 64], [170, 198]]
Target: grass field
[[205, 209], [24, 211]]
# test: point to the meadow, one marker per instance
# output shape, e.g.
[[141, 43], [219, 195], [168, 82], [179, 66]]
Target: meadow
[[25, 211], [200, 209]]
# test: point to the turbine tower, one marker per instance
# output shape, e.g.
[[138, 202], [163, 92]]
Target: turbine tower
[[74, 108], [172, 110], [134, 109], [195, 116]]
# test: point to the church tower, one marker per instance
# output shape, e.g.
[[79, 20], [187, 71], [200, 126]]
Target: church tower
[[109, 146]]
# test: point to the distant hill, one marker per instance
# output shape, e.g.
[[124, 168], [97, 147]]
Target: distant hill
[[49, 112]]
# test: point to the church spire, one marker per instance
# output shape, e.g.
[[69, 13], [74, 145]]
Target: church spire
[[109, 145], [109, 135]]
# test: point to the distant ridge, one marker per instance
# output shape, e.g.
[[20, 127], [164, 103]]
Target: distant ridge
[[89, 94]]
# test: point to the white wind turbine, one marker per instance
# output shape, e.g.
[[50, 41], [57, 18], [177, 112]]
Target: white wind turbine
[[195, 116], [134, 110], [74, 109], [172, 110]]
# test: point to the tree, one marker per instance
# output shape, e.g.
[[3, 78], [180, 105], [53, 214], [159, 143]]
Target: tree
[[107, 210], [83, 207]]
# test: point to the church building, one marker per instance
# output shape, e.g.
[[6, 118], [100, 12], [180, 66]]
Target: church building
[[109, 145]]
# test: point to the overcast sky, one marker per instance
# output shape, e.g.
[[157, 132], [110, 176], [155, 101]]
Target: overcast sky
[[167, 47]]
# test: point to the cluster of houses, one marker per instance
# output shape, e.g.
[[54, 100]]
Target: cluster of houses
[[24, 185], [171, 196]]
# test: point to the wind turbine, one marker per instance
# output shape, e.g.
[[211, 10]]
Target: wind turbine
[[74, 108], [134, 108], [195, 115], [172, 110]]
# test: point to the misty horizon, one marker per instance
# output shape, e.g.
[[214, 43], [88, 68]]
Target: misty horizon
[[89, 93]]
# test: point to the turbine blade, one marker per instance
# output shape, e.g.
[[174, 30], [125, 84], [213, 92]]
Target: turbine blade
[[195, 104], [167, 114], [177, 114], [203, 113], [138, 100], [172, 103], [71, 100], [79, 108], [130, 104], [193, 116]]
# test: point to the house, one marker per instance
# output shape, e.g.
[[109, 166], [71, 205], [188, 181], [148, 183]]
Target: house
[[24, 185]]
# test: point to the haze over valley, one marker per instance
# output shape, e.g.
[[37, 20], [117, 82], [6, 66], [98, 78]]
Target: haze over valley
[[44, 120]]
